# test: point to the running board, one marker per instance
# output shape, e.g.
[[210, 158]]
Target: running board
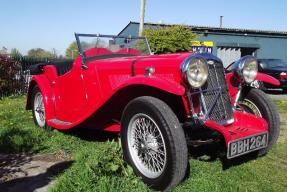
[[59, 122]]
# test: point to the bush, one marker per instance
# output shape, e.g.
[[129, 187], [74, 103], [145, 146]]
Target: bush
[[10, 79], [170, 39]]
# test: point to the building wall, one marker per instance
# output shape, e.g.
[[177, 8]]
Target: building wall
[[132, 29], [266, 46]]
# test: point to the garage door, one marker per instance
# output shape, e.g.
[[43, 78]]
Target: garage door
[[231, 54], [228, 54]]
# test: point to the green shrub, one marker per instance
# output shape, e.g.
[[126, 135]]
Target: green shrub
[[170, 39], [9, 69]]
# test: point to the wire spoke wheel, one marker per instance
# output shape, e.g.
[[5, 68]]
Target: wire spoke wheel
[[39, 109], [153, 143], [250, 107], [146, 145]]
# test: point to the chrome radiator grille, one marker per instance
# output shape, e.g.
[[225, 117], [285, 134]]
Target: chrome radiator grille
[[215, 96]]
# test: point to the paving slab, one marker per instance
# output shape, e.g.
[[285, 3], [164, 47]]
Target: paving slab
[[30, 173]]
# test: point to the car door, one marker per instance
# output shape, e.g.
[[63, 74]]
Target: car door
[[70, 95]]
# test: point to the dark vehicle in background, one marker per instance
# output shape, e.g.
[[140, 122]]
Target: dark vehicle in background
[[276, 68]]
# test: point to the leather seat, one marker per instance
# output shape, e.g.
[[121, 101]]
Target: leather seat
[[62, 66]]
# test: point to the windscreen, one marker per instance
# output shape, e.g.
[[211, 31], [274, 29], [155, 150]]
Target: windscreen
[[93, 46]]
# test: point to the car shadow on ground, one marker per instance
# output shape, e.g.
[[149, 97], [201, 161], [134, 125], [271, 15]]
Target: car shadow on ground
[[206, 152], [216, 151], [21, 181], [275, 92], [89, 134]]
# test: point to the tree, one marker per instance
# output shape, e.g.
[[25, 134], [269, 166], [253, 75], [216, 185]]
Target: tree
[[54, 53], [40, 53], [15, 53], [3, 51], [170, 39], [72, 50]]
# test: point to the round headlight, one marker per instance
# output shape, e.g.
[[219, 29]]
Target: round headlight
[[250, 70], [197, 72], [246, 69]]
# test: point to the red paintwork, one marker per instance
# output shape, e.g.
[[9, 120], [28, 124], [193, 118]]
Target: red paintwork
[[283, 75], [233, 82], [267, 79], [245, 124], [104, 51], [98, 51], [46, 89], [78, 94], [129, 51]]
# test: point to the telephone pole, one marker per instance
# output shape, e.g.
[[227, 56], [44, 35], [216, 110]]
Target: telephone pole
[[142, 17]]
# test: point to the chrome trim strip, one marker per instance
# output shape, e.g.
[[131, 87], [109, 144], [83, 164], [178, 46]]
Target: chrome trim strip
[[59, 122]]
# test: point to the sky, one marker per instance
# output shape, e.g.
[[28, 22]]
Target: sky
[[27, 24]]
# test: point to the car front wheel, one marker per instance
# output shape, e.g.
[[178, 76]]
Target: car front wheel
[[258, 103], [154, 143]]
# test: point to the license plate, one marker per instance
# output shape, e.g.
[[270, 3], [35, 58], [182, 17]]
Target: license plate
[[246, 145]]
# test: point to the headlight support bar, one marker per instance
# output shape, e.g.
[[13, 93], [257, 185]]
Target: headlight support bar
[[206, 111]]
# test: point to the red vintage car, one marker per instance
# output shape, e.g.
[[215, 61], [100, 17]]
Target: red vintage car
[[155, 102]]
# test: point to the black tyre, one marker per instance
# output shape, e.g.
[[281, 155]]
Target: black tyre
[[38, 108], [153, 142], [257, 102]]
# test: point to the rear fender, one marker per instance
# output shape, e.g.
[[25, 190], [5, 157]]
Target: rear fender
[[45, 86]]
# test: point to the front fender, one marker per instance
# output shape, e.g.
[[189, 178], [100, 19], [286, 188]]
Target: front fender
[[46, 89], [267, 79], [156, 82], [233, 82]]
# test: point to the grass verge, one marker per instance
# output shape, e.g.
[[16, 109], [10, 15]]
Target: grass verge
[[98, 164]]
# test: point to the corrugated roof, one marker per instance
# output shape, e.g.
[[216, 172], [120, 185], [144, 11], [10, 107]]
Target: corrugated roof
[[209, 29]]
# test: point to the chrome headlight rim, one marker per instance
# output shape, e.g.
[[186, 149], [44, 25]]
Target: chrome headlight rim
[[247, 69], [188, 68]]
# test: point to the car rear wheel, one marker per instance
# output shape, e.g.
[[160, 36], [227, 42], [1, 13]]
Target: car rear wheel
[[154, 143], [38, 108], [258, 103]]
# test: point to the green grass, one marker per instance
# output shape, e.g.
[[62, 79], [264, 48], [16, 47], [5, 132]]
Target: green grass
[[98, 165], [282, 105]]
